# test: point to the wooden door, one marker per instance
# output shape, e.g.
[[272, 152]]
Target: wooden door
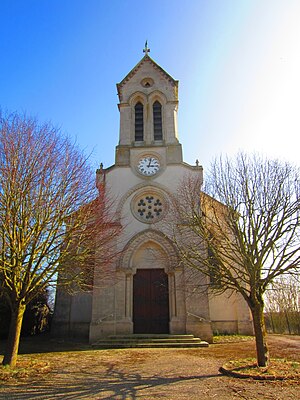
[[150, 301]]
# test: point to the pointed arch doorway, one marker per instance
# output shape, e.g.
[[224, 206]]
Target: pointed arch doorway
[[151, 250], [150, 301]]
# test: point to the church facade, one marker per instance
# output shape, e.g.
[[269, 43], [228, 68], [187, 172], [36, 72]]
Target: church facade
[[147, 290]]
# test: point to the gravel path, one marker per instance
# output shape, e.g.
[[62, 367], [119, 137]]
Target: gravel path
[[144, 374]]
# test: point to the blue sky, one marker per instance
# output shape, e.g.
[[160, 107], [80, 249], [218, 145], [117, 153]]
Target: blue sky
[[237, 62]]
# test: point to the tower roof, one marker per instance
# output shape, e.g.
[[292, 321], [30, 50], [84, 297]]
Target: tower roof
[[145, 59]]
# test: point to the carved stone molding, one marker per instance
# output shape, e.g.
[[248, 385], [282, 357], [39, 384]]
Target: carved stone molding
[[143, 237]]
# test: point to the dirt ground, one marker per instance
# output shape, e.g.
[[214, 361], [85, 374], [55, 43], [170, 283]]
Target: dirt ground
[[147, 373]]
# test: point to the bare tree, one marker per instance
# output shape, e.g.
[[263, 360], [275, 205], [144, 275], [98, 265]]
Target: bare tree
[[283, 304], [243, 232], [51, 216]]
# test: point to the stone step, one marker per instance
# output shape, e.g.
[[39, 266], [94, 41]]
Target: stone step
[[115, 345], [149, 341], [151, 336]]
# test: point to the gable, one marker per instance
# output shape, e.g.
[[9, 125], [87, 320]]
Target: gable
[[147, 76]]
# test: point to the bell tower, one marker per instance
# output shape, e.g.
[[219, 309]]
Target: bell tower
[[148, 103]]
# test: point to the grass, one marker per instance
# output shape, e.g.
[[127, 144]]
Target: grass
[[231, 338], [26, 367], [278, 369]]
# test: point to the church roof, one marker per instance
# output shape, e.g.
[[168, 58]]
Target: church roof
[[145, 59]]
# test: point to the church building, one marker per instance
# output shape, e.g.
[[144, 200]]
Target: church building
[[148, 291]]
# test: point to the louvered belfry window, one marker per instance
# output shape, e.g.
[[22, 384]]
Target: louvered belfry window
[[139, 122], [157, 121]]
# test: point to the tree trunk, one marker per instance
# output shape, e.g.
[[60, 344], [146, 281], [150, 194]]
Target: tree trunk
[[272, 322], [12, 346], [287, 321], [262, 352]]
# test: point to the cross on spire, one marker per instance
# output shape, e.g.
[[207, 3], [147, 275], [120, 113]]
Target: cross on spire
[[146, 49]]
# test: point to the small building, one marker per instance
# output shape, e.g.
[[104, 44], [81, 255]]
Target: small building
[[147, 289]]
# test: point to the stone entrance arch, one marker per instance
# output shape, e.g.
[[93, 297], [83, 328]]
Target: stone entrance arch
[[151, 250], [146, 246]]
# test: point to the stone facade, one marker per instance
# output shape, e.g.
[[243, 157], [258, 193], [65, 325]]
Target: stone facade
[[148, 168]]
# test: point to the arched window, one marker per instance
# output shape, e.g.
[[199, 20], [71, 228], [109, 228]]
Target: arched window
[[139, 122], [157, 121]]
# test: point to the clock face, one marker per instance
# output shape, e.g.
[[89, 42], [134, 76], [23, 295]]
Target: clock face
[[148, 166]]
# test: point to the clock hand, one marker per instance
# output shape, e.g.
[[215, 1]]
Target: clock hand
[[150, 159]]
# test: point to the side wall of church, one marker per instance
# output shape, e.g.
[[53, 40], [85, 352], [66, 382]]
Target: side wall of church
[[72, 315], [230, 314]]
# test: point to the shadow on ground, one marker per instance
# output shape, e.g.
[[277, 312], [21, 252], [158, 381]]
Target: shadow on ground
[[45, 343], [113, 384], [127, 374]]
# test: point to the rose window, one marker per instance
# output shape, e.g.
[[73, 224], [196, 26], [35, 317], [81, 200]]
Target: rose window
[[148, 208]]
